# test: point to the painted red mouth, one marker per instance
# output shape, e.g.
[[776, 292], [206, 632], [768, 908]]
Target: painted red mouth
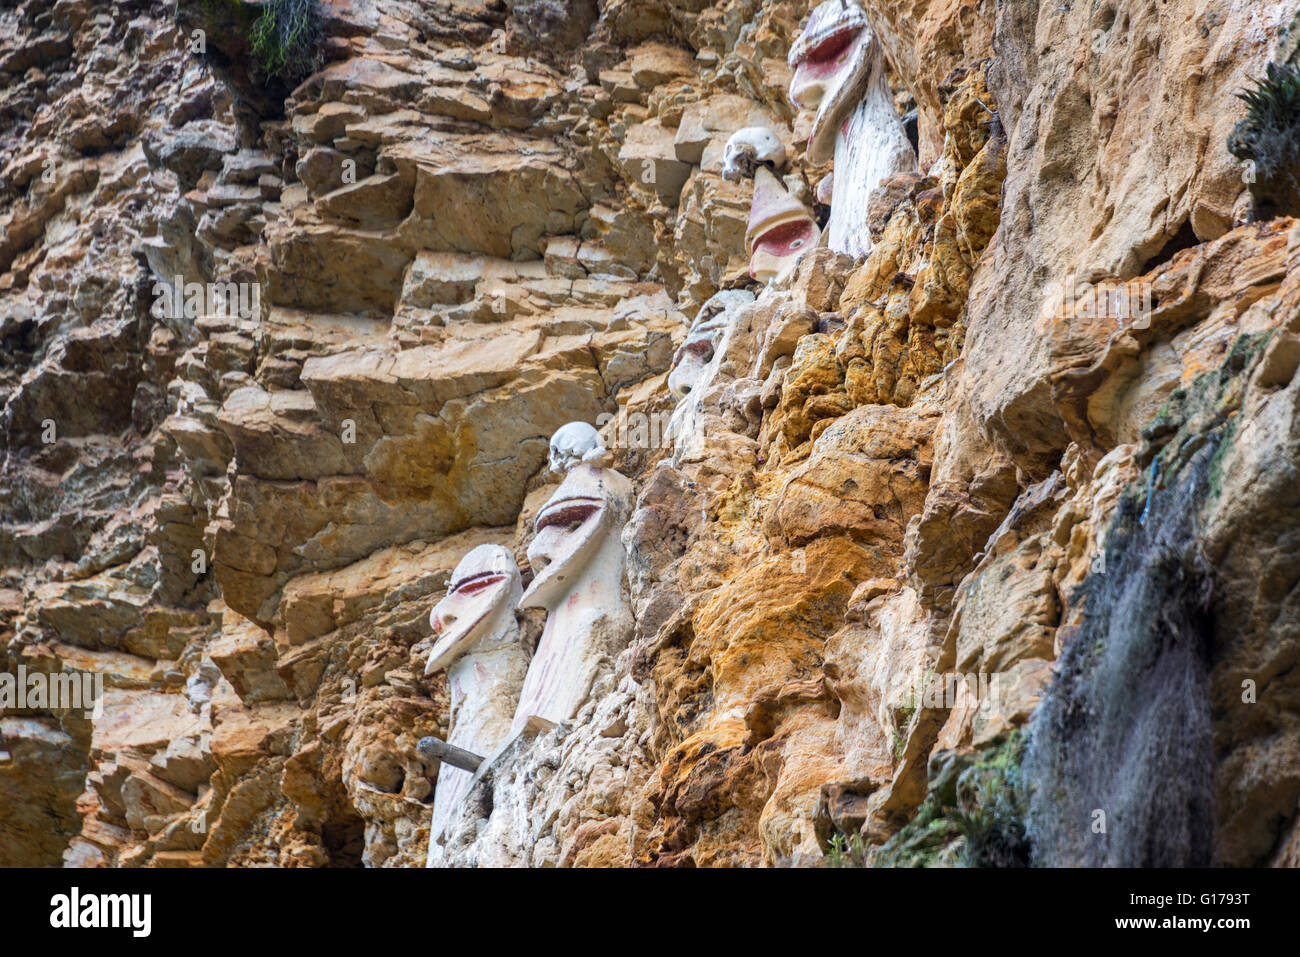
[[816, 70], [700, 347]]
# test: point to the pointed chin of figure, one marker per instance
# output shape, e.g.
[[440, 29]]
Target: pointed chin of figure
[[694, 358], [780, 228], [686, 375], [568, 531], [459, 618], [819, 70], [485, 583], [831, 64]]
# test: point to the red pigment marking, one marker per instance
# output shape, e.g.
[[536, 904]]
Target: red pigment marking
[[702, 348], [546, 641], [570, 514], [782, 240], [476, 583], [833, 47]]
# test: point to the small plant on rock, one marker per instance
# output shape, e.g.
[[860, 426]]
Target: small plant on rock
[[991, 818], [1268, 140], [286, 39], [847, 852]]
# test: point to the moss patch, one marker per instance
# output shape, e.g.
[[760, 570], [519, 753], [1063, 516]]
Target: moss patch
[[1203, 411], [278, 41], [973, 814]]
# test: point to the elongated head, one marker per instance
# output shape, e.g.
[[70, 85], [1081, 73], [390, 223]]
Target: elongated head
[[477, 612], [695, 354], [780, 231], [590, 504], [832, 62]]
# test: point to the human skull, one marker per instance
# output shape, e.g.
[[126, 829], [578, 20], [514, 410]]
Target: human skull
[[750, 148], [573, 443]]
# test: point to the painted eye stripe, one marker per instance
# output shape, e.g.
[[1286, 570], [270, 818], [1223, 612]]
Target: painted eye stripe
[[567, 515], [831, 48], [476, 583]]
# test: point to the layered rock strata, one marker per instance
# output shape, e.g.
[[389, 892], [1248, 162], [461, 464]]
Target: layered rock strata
[[278, 355]]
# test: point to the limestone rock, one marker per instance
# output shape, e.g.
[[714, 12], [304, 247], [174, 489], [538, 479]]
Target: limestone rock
[[868, 482]]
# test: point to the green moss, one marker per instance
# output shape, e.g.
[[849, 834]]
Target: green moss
[[972, 816], [992, 808], [1229, 385], [1288, 43], [1214, 480], [928, 841], [1200, 412], [280, 39]]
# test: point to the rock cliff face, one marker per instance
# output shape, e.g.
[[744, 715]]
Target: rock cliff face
[[279, 348]]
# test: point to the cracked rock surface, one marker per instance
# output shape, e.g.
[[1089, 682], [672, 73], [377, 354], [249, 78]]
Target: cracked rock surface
[[479, 221]]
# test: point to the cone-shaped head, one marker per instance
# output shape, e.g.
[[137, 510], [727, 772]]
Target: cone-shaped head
[[478, 610], [832, 62], [780, 231], [591, 504]]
